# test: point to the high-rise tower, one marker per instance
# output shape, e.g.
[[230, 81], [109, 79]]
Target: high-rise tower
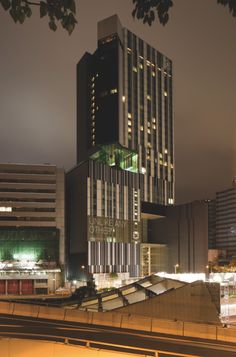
[[125, 152]]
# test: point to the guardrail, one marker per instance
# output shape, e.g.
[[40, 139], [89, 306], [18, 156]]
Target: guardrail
[[123, 320]]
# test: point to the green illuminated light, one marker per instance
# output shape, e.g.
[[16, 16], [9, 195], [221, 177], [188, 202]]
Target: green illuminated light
[[117, 156]]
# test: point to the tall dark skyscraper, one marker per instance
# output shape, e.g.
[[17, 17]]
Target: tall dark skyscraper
[[125, 152]]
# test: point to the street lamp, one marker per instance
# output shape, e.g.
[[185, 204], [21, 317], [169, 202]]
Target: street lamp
[[176, 266], [207, 272]]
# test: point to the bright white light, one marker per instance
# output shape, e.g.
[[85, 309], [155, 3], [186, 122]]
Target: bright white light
[[186, 277], [5, 209], [143, 170], [23, 257]]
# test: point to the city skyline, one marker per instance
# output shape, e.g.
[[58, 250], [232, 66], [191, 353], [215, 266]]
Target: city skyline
[[40, 121]]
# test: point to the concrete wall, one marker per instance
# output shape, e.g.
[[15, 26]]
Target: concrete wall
[[185, 231], [76, 207]]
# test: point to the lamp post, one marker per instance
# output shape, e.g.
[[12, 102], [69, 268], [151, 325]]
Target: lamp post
[[176, 266], [207, 272]]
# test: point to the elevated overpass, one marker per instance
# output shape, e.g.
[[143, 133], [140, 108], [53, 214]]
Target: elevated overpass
[[95, 334]]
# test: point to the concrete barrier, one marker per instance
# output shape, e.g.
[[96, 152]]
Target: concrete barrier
[[26, 310], [79, 316], [226, 334], [167, 326], [136, 322], [107, 319], [28, 348], [6, 308], [54, 313], [123, 320], [200, 330]]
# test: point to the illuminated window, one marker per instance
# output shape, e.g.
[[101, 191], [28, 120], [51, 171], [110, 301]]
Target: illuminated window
[[160, 155], [154, 126], [143, 170], [141, 66], [135, 69], [123, 98], [165, 163], [140, 56], [129, 115], [129, 130], [153, 120], [159, 69], [93, 79], [141, 128], [165, 93], [172, 166], [113, 91], [148, 97], [166, 151], [129, 50], [149, 131], [129, 122], [170, 201], [148, 63], [149, 124], [153, 74], [161, 162]]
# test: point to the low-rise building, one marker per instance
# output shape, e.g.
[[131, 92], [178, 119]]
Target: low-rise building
[[32, 232]]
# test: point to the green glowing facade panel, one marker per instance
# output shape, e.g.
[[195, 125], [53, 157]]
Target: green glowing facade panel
[[117, 156], [29, 244]]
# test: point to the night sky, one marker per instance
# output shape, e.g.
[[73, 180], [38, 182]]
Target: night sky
[[38, 88]]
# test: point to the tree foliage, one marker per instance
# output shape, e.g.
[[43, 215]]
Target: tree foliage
[[57, 11], [63, 12], [147, 10]]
